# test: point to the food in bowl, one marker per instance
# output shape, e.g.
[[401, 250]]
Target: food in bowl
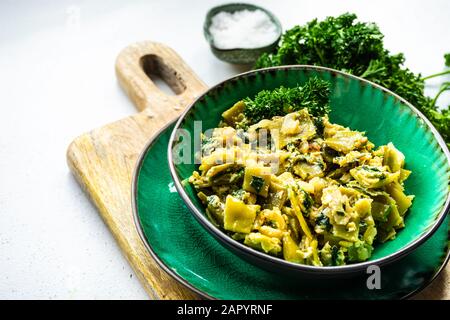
[[278, 176]]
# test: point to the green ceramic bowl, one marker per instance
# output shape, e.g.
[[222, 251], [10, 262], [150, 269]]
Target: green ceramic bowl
[[356, 103], [238, 55], [186, 251]]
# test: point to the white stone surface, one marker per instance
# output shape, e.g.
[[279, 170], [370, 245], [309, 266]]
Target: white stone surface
[[57, 80]]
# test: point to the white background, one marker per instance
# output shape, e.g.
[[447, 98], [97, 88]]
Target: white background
[[57, 81]]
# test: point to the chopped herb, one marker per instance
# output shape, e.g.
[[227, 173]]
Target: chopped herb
[[334, 255], [323, 221], [291, 147], [307, 200], [375, 171], [272, 224], [318, 122], [208, 145], [238, 194], [371, 168], [257, 183], [238, 176]]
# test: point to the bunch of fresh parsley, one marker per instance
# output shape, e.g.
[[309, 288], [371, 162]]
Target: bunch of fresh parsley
[[355, 47]]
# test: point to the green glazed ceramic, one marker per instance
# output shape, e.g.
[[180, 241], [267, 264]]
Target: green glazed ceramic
[[191, 255], [238, 55], [360, 105]]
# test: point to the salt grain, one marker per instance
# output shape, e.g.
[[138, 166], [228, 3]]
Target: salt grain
[[243, 29]]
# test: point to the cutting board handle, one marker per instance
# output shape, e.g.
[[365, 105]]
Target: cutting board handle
[[103, 159], [133, 68]]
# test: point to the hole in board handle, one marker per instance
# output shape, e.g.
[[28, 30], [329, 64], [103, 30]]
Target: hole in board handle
[[164, 77]]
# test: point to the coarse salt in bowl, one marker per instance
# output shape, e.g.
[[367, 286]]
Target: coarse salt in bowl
[[240, 33], [243, 29]]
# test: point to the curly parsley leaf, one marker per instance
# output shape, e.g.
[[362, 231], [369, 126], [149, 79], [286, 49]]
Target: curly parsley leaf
[[343, 43], [313, 95]]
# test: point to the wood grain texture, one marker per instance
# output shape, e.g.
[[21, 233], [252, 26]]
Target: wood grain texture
[[103, 160]]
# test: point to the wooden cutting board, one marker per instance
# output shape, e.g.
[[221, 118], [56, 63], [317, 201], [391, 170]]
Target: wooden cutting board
[[103, 160]]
